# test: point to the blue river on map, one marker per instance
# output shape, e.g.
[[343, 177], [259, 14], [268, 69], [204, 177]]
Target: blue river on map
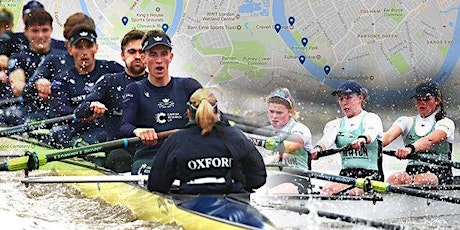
[[279, 17], [445, 71]]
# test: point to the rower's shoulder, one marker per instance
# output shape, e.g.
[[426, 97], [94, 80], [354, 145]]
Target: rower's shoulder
[[187, 82], [335, 122]]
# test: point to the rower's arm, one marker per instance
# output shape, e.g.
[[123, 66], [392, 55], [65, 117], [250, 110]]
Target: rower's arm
[[130, 110], [293, 143], [329, 135], [428, 141], [390, 135]]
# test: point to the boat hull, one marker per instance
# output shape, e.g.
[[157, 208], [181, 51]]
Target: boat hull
[[145, 205]]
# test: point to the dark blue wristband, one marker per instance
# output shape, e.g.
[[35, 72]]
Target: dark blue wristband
[[412, 148]]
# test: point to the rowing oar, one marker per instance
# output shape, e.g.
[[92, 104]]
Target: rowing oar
[[34, 160], [260, 135], [377, 186], [329, 152], [344, 218], [266, 142], [414, 156], [263, 141], [30, 126], [11, 101]]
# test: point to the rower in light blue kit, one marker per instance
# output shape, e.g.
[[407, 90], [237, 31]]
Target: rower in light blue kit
[[285, 127], [362, 129], [207, 156], [289, 141], [430, 133]]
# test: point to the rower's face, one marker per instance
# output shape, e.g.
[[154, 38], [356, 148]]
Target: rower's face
[[278, 114], [39, 37], [350, 104], [132, 57], [84, 53], [426, 105], [157, 60]]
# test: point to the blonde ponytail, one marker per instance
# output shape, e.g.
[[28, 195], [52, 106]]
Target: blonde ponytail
[[203, 105]]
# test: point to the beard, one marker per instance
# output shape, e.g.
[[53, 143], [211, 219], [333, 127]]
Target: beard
[[136, 70], [42, 48]]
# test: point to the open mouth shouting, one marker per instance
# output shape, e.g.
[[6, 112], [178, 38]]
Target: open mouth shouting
[[159, 69]]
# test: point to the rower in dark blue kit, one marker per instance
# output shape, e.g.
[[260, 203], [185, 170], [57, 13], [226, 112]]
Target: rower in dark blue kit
[[106, 99], [208, 156], [22, 65], [38, 87], [156, 104], [70, 88], [19, 41]]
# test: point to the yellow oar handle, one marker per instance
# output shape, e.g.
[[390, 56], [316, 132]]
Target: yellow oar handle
[[378, 186], [21, 163]]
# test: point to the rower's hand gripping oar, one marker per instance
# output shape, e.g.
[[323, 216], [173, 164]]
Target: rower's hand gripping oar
[[377, 186], [11, 102], [415, 156], [275, 143], [271, 143], [34, 160], [30, 126], [329, 152]]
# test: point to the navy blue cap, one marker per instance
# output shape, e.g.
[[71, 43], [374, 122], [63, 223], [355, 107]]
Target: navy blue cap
[[349, 87], [427, 89], [6, 16], [83, 34], [31, 5], [154, 40]]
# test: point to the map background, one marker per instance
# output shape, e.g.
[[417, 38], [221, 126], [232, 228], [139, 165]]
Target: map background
[[388, 46], [331, 26]]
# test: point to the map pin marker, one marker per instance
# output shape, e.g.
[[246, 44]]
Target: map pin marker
[[277, 28], [304, 41], [302, 59], [124, 20], [327, 69], [165, 27], [291, 20]]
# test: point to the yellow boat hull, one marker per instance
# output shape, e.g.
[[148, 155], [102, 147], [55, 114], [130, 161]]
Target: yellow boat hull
[[144, 205]]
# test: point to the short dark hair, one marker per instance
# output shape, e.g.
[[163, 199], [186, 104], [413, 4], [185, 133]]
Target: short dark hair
[[130, 36], [39, 17], [75, 19]]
